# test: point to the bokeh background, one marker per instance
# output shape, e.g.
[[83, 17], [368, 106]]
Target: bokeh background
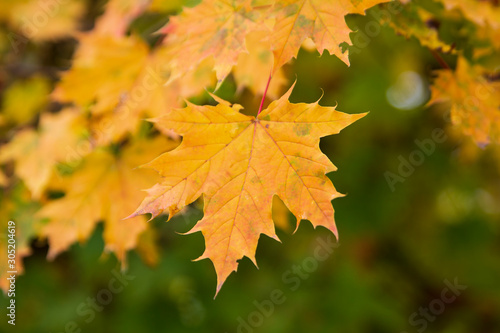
[[397, 245]]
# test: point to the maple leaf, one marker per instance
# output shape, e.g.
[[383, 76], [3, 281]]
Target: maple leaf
[[39, 21], [491, 38], [36, 153], [214, 28], [413, 21], [323, 21], [112, 63], [118, 15], [130, 84], [104, 188], [248, 71], [239, 163], [480, 12], [150, 96], [474, 101]]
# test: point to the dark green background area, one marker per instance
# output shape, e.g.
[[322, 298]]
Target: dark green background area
[[396, 248]]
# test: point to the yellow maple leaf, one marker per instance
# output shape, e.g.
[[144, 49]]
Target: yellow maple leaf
[[474, 101], [130, 84], [36, 153], [480, 12], [16, 206], [214, 28], [118, 15], [39, 20], [104, 188], [239, 163], [252, 67], [323, 21], [112, 64], [150, 96], [492, 39], [413, 22]]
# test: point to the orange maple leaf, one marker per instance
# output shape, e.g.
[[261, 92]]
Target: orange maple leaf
[[40, 22], [474, 101], [130, 84], [111, 63], [103, 188], [248, 71], [214, 28], [239, 163], [413, 22], [480, 12], [118, 15], [37, 153], [218, 29], [321, 20]]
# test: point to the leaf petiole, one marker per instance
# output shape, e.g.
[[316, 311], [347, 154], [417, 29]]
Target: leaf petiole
[[265, 93]]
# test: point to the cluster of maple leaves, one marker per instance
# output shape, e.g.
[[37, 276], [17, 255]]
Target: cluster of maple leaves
[[89, 150]]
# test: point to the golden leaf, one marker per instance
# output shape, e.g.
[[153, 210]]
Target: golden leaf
[[475, 107], [238, 163], [104, 188], [36, 153], [323, 21]]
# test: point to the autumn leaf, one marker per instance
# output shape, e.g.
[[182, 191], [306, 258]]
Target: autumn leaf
[[131, 84], [39, 21], [104, 188], [36, 153], [323, 21], [474, 101], [414, 22], [491, 45], [118, 15], [214, 28], [238, 163], [259, 59], [111, 63], [480, 12], [107, 58], [150, 95]]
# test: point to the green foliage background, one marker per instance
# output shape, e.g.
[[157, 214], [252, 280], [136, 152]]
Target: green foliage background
[[396, 247]]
